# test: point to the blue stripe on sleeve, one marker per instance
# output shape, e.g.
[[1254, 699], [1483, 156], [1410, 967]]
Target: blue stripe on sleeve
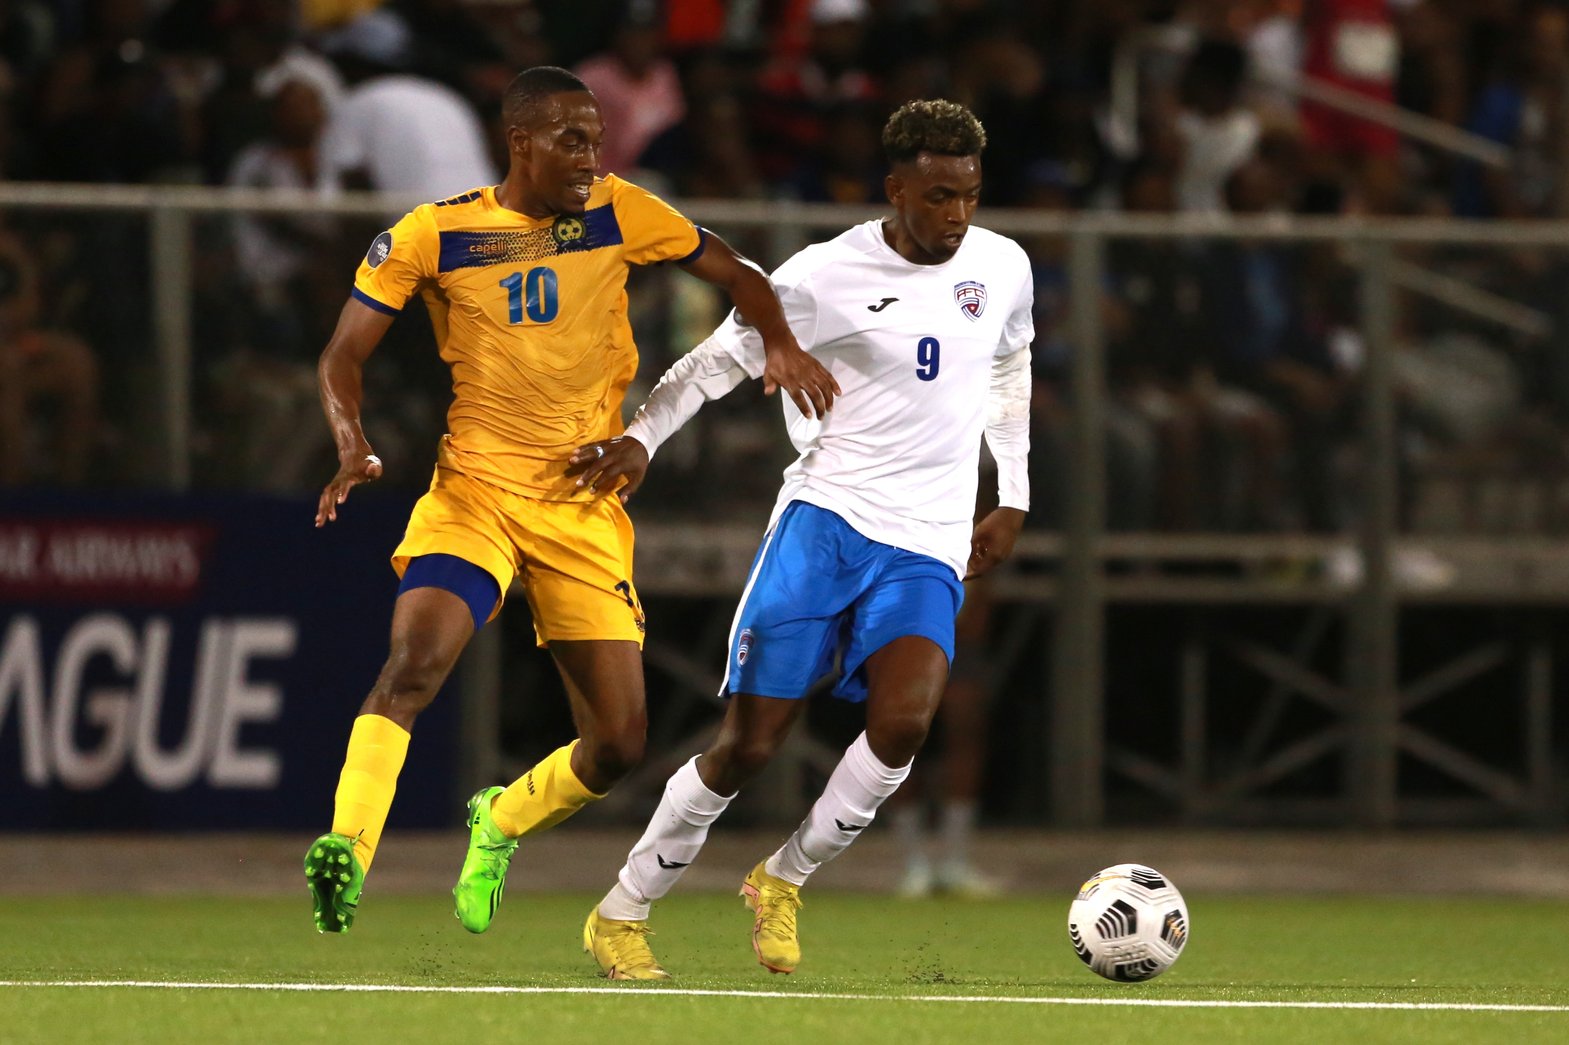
[[365, 299], [702, 245]]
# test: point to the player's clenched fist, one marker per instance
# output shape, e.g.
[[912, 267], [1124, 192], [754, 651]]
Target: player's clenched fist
[[617, 464], [361, 468]]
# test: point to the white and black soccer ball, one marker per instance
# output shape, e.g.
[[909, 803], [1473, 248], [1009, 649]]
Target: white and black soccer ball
[[1128, 923]]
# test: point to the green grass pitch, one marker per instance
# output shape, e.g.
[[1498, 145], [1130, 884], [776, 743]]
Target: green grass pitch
[[887, 953]]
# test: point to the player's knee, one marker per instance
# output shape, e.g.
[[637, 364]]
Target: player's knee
[[749, 756], [896, 737], [615, 751], [411, 678]]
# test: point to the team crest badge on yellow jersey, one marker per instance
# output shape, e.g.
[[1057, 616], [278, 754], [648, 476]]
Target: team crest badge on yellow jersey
[[568, 229]]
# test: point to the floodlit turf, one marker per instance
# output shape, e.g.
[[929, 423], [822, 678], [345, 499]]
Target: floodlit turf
[[889, 952]]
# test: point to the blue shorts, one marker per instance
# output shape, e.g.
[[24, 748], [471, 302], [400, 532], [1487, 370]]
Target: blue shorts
[[822, 597]]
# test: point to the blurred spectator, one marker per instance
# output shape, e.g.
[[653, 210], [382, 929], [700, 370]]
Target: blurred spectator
[[394, 131], [773, 98], [1434, 74], [1256, 300], [1215, 134], [1352, 44], [1131, 450], [1271, 32], [1029, 124], [453, 46], [797, 92], [275, 253], [329, 14], [848, 167], [1524, 105], [287, 58], [708, 154], [26, 36], [1219, 446], [638, 88], [258, 52], [49, 422], [107, 110]]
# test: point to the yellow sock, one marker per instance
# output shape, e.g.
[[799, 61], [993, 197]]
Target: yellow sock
[[370, 776], [542, 797]]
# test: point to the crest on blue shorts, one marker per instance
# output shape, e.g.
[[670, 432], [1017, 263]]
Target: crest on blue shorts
[[744, 646], [971, 297]]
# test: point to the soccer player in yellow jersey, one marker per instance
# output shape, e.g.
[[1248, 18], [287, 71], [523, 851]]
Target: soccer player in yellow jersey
[[524, 282]]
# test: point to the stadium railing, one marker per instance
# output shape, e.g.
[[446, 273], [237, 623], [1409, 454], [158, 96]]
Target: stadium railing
[[1075, 575]]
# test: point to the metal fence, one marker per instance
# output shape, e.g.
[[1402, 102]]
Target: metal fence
[[1066, 583]]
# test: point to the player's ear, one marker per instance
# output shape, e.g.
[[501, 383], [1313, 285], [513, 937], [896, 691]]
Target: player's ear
[[893, 188], [517, 142]]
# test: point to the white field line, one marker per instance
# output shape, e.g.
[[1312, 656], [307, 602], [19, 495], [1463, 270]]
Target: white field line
[[1160, 1003]]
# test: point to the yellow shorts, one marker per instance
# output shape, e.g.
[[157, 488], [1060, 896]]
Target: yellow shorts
[[573, 558]]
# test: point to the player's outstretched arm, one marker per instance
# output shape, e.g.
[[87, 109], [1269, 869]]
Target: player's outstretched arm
[[707, 372], [360, 329], [805, 379]]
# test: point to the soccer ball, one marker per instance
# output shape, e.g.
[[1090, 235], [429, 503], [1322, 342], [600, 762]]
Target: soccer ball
[[1128, 923]]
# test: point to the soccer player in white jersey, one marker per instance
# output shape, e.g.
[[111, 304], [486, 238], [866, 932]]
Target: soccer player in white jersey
[[925, 323]]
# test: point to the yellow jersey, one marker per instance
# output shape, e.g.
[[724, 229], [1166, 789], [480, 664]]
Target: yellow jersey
[[531, 316]]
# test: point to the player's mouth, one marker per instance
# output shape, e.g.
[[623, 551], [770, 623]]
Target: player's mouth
[[953, 239], [579, 190]]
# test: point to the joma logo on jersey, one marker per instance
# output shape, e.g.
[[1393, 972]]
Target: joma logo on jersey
[[971, 298], [743, 648]]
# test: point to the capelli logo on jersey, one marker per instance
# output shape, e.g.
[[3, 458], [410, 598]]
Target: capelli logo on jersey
[[971, 298], [488, 247], [380, 248], [743, 648]]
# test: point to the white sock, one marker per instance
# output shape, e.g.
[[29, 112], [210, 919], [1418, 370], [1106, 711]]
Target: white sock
[[958, 825], [673, 839], [858, 786]]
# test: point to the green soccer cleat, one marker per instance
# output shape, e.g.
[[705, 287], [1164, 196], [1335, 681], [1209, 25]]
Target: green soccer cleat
[[775, 902], [484, 876], [334, 877]]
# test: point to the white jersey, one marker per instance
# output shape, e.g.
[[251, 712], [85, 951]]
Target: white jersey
[[920, 353]]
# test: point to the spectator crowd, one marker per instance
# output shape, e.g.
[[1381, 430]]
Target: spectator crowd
[[1232, 364]]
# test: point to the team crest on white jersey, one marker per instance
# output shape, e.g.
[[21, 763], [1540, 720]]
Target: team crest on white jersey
[[971, 297]]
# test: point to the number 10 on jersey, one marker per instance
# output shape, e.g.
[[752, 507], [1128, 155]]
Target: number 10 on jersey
[[928, 357], [532, 293]]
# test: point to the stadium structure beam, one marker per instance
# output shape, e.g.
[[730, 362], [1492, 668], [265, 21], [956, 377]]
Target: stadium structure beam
[[170, 248], [1077, 741], [1374, 650]]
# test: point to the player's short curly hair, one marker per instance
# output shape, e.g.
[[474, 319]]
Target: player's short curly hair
[[533, 86], [932, 125]]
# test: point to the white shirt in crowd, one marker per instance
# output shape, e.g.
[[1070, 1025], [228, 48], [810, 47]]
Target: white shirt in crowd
[[929, 358], [409, 135]]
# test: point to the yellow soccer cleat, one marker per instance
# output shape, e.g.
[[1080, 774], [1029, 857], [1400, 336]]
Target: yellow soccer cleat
[[621, 948], [775, 902]]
